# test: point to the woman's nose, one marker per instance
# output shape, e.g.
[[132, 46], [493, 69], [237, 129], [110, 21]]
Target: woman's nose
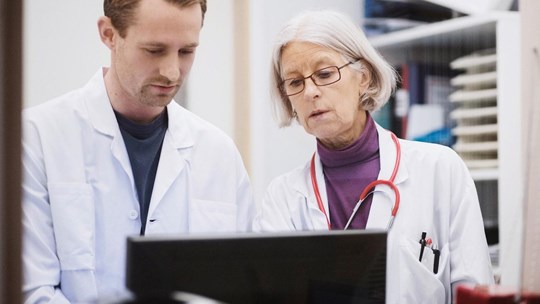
[[310, 88]]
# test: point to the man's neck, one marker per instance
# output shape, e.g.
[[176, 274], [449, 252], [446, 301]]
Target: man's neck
[[121, 103]]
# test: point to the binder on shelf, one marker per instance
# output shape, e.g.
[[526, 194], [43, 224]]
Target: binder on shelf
[[424, 87]]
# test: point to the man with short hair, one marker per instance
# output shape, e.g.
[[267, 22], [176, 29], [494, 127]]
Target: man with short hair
[[118, 158]]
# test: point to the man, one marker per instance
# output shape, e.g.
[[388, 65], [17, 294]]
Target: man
[[117, 158]]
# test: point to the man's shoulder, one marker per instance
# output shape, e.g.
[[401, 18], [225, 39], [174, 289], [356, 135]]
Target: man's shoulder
[[55, 109], [293, 180], [66, 106]]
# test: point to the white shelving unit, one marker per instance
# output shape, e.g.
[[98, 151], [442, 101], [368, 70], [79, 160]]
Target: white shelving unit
[[444, 41]]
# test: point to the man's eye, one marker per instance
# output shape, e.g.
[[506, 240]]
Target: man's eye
[[186, 52], [153, 51]]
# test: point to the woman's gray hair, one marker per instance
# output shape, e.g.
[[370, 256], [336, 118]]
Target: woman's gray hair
[[338, 32]]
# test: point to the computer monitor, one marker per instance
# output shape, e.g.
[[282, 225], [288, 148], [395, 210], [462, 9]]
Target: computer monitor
[[294, 267]]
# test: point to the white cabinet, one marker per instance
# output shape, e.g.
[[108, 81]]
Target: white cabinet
[[441, 43]]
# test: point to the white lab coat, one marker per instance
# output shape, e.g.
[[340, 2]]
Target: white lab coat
[[438, 196], [80, 202]]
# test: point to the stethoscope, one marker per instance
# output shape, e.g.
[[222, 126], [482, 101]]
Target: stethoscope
[[367, 191]]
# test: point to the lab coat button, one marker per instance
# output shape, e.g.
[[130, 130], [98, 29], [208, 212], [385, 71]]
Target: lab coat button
[[133, 214]]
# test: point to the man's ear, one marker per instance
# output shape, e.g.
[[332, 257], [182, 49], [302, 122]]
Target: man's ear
[[106, 31]]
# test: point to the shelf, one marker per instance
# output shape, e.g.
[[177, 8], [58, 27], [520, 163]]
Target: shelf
[[397, 46], [484, 174], [486, 103], [472, 113], [484, 58], [457, 28], [469, 96], [481, 146], [475, 130], [489, 78]]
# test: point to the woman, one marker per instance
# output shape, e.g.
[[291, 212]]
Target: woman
[[328, 78]]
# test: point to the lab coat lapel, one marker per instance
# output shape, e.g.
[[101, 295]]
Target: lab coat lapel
[[384, 198], [176, 144], [103, 120], [175, 154], [305, 187]]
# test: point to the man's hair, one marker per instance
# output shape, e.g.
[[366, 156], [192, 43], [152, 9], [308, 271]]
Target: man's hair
[[121, 12]]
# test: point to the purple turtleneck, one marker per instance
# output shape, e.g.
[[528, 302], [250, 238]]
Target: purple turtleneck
[[347, 172]]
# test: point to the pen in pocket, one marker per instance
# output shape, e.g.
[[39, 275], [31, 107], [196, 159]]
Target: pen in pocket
[[437, 254], [422, 245]]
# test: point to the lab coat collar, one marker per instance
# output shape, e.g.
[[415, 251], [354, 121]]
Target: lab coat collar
[[99, 107], [313, 206], [387, 153], [175, 154], [103, 119], [175, 151], [102, 116], [181, 137], [384, 197]]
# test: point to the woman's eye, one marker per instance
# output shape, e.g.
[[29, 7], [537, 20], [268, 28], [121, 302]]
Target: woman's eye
[[295, 82], [324, 74]]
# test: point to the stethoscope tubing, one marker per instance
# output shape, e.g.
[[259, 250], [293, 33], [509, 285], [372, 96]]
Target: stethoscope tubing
[[367, 190]]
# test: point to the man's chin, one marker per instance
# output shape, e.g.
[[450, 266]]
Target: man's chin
[[157, 101]]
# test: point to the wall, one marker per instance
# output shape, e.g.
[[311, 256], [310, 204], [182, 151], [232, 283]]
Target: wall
[[210, 88], [62, 49], [530, 73]]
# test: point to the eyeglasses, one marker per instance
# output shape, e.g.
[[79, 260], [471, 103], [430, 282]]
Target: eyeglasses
[[322, 77]]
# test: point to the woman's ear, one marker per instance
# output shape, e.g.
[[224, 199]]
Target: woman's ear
[[106, 31], [365, 75]]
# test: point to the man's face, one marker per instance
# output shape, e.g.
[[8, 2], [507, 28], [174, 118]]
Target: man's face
[[152, 61]]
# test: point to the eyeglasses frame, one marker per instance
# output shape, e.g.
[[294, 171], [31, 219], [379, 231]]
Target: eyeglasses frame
[[282, 87]]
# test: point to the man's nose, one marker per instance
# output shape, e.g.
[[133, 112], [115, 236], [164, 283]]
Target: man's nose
[[171, 69]]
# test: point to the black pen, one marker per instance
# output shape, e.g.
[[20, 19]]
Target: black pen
[[422, 245], [437, 254]]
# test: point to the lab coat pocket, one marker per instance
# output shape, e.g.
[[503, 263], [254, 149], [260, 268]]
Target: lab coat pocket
[[421, 284], [212, 216], [73, 214]]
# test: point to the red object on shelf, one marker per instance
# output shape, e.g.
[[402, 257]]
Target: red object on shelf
[[531, 298], [492, 294], [482, 294]]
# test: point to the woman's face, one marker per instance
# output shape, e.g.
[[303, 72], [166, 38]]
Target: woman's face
[[332, 112]]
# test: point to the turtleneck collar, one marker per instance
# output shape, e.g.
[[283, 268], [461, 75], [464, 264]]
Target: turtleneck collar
[[365, 148]]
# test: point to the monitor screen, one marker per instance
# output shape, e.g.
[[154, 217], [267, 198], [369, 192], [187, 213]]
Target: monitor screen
[[293, 267]]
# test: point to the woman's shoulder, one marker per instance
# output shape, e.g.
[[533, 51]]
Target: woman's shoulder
[[429, 156], [427, 150], [290, 180]]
